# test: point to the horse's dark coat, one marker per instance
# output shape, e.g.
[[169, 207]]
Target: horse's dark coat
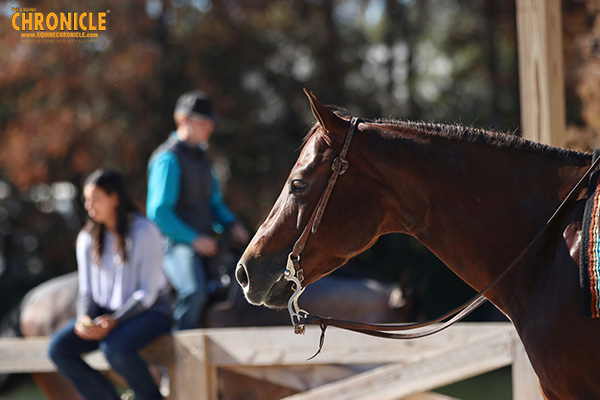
[[474, 198]]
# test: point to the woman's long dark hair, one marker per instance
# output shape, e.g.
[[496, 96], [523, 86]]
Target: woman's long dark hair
[[110, 182]]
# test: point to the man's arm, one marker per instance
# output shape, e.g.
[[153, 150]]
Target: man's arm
[[164, 183]]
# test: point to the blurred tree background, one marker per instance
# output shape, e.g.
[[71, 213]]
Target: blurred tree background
[[67, 108]]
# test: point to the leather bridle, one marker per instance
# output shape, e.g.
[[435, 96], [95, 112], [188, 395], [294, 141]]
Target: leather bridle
[[294, 272]]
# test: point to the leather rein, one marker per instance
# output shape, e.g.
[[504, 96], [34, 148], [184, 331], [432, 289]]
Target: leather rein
[[294, 273]]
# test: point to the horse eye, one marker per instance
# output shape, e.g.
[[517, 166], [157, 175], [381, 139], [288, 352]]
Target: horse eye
[[298, 186]]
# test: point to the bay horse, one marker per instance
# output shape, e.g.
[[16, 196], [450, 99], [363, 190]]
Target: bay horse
[[474, 198]]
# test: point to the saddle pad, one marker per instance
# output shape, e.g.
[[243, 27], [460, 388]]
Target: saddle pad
[[589, 260]]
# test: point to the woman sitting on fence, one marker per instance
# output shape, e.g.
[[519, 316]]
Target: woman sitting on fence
[[123, 294]]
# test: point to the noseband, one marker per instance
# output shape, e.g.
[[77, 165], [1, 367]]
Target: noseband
[[294, 273]]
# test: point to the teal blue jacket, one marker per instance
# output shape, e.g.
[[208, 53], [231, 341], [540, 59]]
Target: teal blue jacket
[[164, 180]]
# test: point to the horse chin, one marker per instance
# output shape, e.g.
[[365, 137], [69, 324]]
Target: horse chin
[[278, 295]]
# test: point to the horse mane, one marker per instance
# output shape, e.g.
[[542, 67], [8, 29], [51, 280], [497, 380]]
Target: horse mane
[[493, 138], [457, 132]]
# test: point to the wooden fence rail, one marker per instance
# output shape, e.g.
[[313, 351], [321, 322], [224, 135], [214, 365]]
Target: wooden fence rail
[[351, 366]]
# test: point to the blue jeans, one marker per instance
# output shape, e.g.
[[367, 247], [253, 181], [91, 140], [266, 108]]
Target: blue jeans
[[184, 268], [120, 349]]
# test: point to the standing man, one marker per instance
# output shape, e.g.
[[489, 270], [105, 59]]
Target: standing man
[[185, 201]]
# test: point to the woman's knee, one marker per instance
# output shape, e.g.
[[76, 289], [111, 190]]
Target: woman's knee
[[59, 350], [54, 351], [63, 343], [116, 355]]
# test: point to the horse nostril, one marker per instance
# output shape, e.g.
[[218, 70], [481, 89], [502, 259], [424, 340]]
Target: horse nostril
[[241, 275]]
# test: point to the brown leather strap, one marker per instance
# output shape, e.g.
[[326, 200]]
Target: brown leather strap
[[339, 167], [382, 330]]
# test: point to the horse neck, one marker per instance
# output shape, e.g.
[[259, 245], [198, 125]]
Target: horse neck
[[475, 205]]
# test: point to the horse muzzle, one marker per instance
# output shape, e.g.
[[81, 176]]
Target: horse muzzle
[[263, 286]]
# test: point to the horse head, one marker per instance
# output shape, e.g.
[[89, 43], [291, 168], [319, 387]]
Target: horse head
[[351, 213]]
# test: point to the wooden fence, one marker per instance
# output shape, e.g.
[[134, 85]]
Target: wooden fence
[[351, 366]]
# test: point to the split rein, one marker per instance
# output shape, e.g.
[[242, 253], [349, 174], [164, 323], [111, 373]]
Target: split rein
[[294, 273]]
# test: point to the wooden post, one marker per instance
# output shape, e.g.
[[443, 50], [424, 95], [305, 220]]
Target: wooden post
[[539, 29], [192, 376]]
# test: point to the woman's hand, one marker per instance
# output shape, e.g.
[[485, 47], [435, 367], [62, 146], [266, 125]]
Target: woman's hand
[[106, 323], [96, 329], [84, 327]]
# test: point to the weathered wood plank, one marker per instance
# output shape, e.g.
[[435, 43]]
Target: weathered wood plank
[[19, 355], [403, 379], [301, 377], [24, 355], [233, 347], [279, 346], [429, 396]]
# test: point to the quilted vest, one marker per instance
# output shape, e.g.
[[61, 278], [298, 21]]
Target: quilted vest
[[193, 206]]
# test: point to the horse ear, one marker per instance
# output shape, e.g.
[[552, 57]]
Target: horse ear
[[329, 121]]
